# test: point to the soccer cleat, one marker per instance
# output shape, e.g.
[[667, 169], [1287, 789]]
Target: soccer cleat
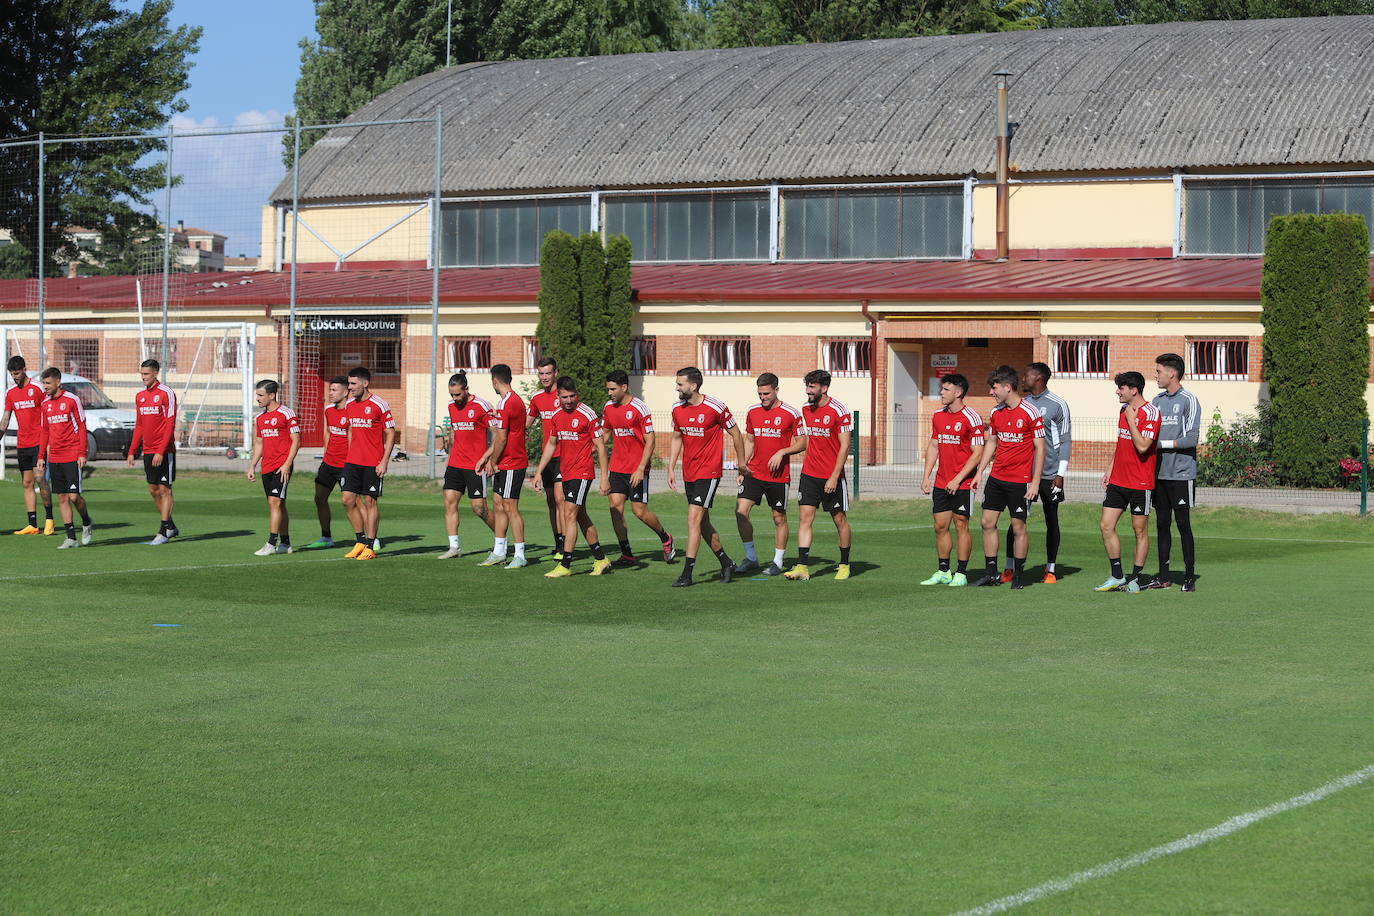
[[682, 581], [1017, 583], [173, 532], [772, 569], [67, 543], [1132, 585], [518, 563], [319, 544], [376, 544], [85, 535], [558, 572], [266, 550], [939, 577], [493, 559], [989, 579], [367, 554], [601, 567], [29, 529], [669, 551], [842, 572], [798, 573], [746, 565], [158, 540], [625, 561], [358, 548], [726, 573], [451, 553], [555, 557], [49, 529], [1157, 582], [958, 580], [1050, 579], [1006, 575], [285, 548], [1189, 584], [1113, 584]]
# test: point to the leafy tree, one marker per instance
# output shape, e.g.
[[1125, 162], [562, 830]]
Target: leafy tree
[[560, 301], [1078, 13], [742, 23], [619, 300], [80, 67], [16, 262]]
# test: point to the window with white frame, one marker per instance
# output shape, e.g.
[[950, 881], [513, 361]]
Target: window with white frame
[[847, 357], [1230, 216], [1079, 357], [1219, 360], [725, 355], [643, 355], [531, 354], [227, 353], [469, 353]]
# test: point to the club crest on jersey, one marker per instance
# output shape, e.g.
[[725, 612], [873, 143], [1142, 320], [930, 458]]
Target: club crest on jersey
[[629, 414], [368, 410], [1019, 424], [777, 421], [575, 422], [826, 420], [157, 399], [958, 427]]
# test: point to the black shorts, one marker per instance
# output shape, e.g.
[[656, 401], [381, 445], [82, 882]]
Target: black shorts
[[164, 476], [701, 492], [466, 480], [363, 480], [65, 477], [552, 474], [620, 483], [961, 503], [1176, 494], [1049, 494], [766, 492], [999, 495], [1138, 501], [577, 491], [507, 484], [812, 493], [27, 458], [328, 476], [273, 484]]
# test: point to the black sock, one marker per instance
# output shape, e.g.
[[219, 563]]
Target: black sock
[[558, 543], [566, 559], [1018, 565], [47, 511], [170, 524], [272, 539], [990, 563], [944, 564], [86, 518], [362, 537], [1116, 568], [962, 568], [324, 533], [286, 540], [1164, 570], [723, 557], [597, 551], [626, 549], [33, 519], [803, 555], [663, 535], [162, 526], [844, 556], [71, 531], [687, 566], [1136, 571]]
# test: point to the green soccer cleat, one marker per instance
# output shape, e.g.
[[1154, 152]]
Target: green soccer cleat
[[940, 577], [958, 580], [320, 544]]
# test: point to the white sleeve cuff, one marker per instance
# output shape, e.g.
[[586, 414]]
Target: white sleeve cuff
[[1168, 443], [1063, 467]]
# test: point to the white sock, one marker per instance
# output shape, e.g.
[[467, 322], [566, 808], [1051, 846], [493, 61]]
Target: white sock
[[749, 553], [1049, 567], [520, 549], [499, 548], [453, 542], [777, 555]]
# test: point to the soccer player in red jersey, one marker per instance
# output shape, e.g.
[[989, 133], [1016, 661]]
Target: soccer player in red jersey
[[506, 461], [544, 406], [772, 435], [155, 425], [330, 472], [828, 425], [469, 419], [956, 446], [1016, 453], [371, 437], [24, 402], [575, 432], [631, 427], [62, 448], [1130, 480], [699, 424], [276, 439]]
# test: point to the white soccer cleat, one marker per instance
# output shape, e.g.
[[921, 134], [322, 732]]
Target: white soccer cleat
[[376, 544], [67, 543], [451, 554], [85, 535], [266, 550], [159, 540], [284, 548]]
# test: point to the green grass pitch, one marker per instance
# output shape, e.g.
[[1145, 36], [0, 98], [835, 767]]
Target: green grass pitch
[[320, 735]]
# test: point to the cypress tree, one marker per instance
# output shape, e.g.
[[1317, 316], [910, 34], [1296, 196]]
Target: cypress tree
[[560, 308], [591, 265], [619, 305]]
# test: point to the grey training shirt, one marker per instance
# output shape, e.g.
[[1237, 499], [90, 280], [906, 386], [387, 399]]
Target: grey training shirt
[[1180, 425], [1058, 431]]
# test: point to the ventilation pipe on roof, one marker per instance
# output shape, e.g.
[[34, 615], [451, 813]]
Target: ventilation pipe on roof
[[1003, 160]]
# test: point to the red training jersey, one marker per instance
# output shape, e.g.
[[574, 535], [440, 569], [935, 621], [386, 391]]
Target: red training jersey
[[1015, 429], [823, 426], [630, 425], [26, 403], [773, 429], [155, 423], [955, 434], [545, 403], [1130, 469], [575, 430], [275, 428], [368, 421], [510, 415], [63, 434], [703, 437], [469, 431], [336, 443]]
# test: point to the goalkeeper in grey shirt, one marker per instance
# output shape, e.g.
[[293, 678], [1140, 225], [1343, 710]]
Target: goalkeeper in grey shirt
[[1180, 426], [1058, 444]]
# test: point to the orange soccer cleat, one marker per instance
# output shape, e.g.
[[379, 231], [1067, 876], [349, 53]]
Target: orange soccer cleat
[[1006, 575], [1050, 579]]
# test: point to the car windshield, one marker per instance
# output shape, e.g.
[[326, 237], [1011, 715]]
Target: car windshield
[[91, 397]]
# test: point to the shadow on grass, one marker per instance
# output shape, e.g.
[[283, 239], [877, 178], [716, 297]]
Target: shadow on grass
[[144, 539]]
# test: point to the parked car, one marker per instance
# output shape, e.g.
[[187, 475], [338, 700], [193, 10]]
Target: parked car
[[109, 429]]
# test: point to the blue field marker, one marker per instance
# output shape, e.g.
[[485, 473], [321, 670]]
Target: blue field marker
[[166, 624]]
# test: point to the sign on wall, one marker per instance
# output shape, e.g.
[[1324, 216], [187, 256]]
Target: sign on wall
[[944, 360], [327, 326]]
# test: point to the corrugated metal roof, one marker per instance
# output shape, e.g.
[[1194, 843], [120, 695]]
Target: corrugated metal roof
[[1177, 95], [1164, 279]]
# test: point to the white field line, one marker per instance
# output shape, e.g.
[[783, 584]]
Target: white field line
[[1225, 828], [148, 569]]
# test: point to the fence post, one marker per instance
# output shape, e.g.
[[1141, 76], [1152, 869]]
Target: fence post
[[1364, 468], [854, 453], [435, 249], [42, 254]]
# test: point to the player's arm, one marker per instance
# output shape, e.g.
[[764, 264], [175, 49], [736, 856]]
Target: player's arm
[[255, 456], [1065, 446], [163, 442], [137, 440], [497, 447], [389, 437], [544, 460], [5, 419], [840, 459], [674, 452], [1142, 442], [602, 469], [748, 455], [646, 457], [741, 455], [932, 456], [1037, 468], [291, 456], [1188, 436], [796, 447], [970, 466], [989, 452]]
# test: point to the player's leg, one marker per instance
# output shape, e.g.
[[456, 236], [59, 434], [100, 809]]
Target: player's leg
[[712, 536], [45, 495], [806, 518], [452, 522], [616, 503], [944, 546], [1140, 524], [694, 514], [277, 535], [165, 505], [1020, 546], [372, 516], [1010, 562], [1112, 544], [600, 564], [639, 505], [26, 482], [567, 514], [1164, 523], [324, 513], [353, 508], [553, 496], [782, 533], [963, 537], [843, 535], [989, 521], [745, 527], [64, 507], [1049, 506], [1184, 516], [508, 503]]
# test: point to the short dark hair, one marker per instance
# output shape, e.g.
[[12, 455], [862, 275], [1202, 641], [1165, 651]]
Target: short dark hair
[[691, 374], [458, 378], [17, 364], [1130, 379], [339, 380], [150, 364], [1170, 361], [268, 385], [1042, 370], [958, 381], [817, 377], [360, 372], [501, 373], [543, 361], [52, 372], [1004, 375], [619, 376], [566, 383], [767, 378]]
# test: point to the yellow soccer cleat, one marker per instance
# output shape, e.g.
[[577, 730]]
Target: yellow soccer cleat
[[601, 567], [842, 573], [49, 528], [367, 554], [798, 573], [357, 549], [558, 572], [28, 529]]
